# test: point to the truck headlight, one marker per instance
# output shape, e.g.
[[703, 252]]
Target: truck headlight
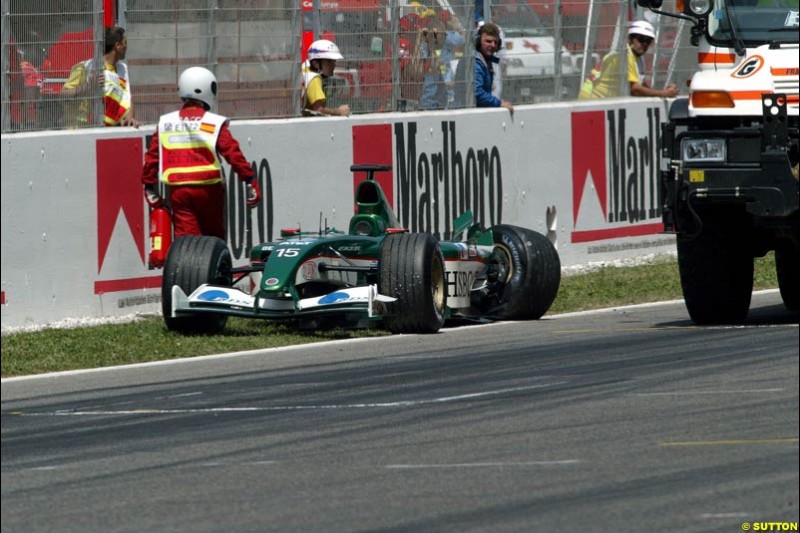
[[700, 7], [703, 150]]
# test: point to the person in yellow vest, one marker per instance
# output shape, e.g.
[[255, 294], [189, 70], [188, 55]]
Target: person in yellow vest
[[113, 79], [604, 81], [321, 62], [184, 155]]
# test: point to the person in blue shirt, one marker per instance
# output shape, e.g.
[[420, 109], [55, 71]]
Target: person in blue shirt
[[487, 44]]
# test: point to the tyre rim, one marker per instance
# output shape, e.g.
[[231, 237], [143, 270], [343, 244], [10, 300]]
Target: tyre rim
[[501, 257], [437, 283]]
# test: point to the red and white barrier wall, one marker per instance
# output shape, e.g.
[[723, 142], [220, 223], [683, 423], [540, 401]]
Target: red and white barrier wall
[[74, 221]]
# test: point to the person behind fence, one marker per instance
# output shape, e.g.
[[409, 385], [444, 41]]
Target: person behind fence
[[321, 62], [113, 80], [452, 52], [487, 43], [409, 80], [184, 155], [604, 80], [426, 63]]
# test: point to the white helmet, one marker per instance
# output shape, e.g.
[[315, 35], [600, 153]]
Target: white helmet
[[642, 27], [324, 49], [198, 83]]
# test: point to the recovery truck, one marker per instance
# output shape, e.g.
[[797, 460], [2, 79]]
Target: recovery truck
[[729, 154]]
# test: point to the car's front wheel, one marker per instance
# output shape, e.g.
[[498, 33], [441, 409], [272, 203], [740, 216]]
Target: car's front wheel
[[191, 262], [411, 269]]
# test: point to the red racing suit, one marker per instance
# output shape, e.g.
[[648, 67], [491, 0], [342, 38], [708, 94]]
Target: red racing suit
[[184, 155]]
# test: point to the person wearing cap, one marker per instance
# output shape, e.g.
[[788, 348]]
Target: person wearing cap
[[321, 62], [604, 80]]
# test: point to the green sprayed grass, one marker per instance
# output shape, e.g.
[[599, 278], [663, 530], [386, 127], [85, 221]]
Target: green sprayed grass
[[148, 340]]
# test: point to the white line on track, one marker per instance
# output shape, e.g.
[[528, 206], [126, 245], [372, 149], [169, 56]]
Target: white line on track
[[483, 465], [249, 463], [699, 392], [404, 403], [184, 395]]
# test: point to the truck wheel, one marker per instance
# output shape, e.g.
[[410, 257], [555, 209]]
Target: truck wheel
[[411, 269], [524, 273], [716, 276], [787, 265], [192, 261]]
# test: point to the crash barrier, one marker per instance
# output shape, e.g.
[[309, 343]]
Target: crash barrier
[[75, 223], [255, 48]]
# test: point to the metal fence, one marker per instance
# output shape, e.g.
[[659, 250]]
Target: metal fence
[[399, 55]]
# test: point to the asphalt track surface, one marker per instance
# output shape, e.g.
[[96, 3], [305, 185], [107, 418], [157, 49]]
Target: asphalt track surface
[[627, 420]]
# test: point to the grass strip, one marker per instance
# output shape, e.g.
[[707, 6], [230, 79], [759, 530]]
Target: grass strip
[[147, 339]]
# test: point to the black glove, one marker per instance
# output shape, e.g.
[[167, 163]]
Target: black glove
[[152, 197]]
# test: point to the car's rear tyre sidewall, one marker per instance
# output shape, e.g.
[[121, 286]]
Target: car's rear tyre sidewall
[[191, 262], [411, 269], [530, 275]]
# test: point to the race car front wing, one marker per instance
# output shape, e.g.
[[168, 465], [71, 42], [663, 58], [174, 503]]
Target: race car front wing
[[231, 301]]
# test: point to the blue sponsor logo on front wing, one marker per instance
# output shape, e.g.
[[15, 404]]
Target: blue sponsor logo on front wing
[[213, 296], [334, 297]]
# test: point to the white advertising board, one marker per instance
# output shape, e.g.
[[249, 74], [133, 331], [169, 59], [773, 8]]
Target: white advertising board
[[74, 221]]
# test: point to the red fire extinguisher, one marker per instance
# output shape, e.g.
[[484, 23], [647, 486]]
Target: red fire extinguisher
[[160, 236]]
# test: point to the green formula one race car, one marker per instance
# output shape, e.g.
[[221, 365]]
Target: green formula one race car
[[376, 272]]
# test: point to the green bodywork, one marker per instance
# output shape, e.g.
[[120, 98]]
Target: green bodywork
[[335, 260], [375, 218]]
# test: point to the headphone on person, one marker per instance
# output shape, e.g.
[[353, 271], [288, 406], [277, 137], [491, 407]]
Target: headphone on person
[[480, 31]]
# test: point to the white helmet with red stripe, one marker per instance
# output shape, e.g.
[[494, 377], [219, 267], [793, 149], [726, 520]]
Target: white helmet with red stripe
[[324, 49], [198, 83]]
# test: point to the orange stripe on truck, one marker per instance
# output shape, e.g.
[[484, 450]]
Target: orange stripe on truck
[[794, 71], [709, 57]]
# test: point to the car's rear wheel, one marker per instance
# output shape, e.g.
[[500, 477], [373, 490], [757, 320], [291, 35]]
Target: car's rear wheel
[[524, 273], [411, 269], [191, 262]]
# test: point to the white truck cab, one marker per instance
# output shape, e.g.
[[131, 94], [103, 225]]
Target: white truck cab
[[746, 51], [729, 166]]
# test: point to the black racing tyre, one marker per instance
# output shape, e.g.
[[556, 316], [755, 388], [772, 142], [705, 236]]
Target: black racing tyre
[[192, 261], [411, 269], [716, 275], [524, 274], [787, 266]]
